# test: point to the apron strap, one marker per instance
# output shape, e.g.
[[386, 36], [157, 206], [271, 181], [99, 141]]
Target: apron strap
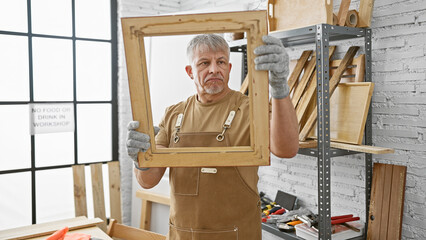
[[229, 120], [179, 121], [226, 125]]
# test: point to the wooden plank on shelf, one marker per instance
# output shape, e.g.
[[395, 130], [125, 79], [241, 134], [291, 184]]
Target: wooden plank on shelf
[[301, 85], [295, 74], [98, 194], [355, 71], [308, 144], [245, 85], [332, 86], [350, 147], [349, 107], [306, 99], [308, 94], [362, 148], [387, 201], [44, 229], [80, 200], [284, 15], [114, 190], [365, 13], [343, 12]]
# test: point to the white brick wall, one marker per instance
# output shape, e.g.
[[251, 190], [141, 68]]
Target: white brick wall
[[399, 104]]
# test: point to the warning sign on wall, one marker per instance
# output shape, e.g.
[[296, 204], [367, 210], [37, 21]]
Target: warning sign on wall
[[51, 118]]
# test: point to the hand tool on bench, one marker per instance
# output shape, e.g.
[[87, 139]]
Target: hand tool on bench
[[288, 226], [343, 220], [270, 211]]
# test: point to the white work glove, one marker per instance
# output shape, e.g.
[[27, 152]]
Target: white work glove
[[137, 142], [273, 57]]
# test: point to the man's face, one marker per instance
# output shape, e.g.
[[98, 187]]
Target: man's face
[[209, 70]]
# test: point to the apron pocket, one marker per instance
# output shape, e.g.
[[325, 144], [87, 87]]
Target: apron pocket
[[184, 181], [176, 233], [231, 234]]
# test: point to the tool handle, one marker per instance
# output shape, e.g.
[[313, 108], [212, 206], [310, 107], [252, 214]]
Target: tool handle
[[343, 220], [342, 216], [279, 212], [351, 227]]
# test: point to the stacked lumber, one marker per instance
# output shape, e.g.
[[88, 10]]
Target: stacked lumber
[[350, 99]]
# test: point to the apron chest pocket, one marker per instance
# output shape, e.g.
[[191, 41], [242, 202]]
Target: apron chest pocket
[[185, 181]]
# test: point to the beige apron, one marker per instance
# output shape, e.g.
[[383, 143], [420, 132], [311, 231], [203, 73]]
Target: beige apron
[[211, 203]]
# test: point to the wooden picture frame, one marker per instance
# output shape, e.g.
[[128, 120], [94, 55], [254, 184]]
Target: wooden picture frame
[[254, 24]]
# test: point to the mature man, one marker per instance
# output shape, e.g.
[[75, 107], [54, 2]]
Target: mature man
[[222, 202]]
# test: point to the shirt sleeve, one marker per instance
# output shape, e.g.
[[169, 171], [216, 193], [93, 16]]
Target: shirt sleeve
[[163, 136]]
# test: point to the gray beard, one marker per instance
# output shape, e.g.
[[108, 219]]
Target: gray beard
[[214, 89]]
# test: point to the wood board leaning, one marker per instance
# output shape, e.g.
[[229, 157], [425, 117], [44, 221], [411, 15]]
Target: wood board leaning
[[349, 107]]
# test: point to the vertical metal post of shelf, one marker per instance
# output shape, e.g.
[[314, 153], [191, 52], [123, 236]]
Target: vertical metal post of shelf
[[244, 68], [323, 127], [368, 129]]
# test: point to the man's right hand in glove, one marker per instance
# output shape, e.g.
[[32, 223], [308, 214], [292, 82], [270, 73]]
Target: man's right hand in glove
[[140, 142], [136, 141]]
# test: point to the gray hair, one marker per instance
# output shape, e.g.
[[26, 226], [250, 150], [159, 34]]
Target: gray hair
[[213, 42]]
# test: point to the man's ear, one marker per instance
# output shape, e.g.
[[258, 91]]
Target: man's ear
[[230, 67], [188, 70]]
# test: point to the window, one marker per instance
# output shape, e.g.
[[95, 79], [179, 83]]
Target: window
[[54, 52]]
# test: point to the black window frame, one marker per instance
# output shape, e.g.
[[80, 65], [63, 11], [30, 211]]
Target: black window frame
[[113, 102]]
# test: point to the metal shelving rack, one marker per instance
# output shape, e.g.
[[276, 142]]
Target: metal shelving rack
[[321, 35]]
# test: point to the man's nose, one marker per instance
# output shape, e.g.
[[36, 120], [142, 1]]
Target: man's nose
[[213, 68]]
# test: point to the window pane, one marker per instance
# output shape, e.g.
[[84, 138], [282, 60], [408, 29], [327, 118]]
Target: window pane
[[235, 77], [89, 25], [15, 203], [14, 68], [94, 132], [159, 56], [13, 15], [51, 17], [54, 149], [15, 140], [55, 195], [93, 71], [53, 69]]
